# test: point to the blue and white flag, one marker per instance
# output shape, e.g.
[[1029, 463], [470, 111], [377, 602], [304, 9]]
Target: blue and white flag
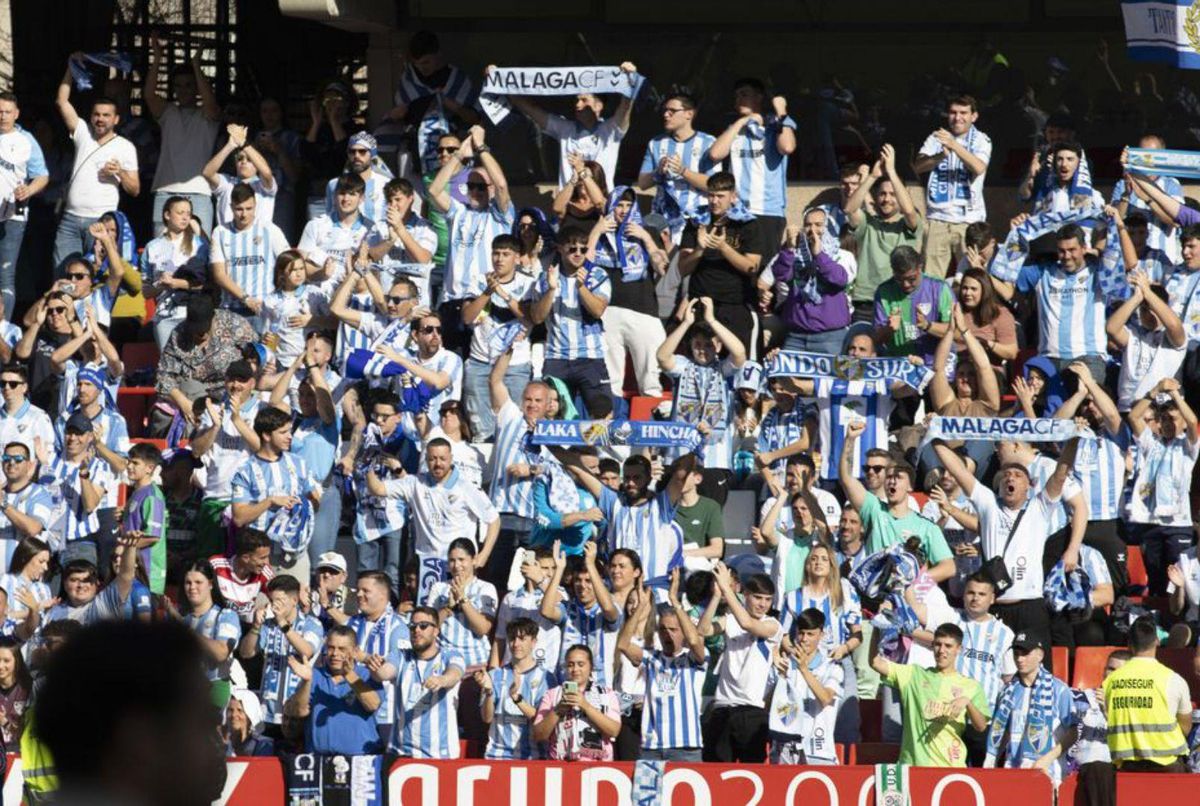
[[1010, 257], [1164, 162], [80, 74], [634, 433], [999, 429], [361, 364], [647, 782], [1166, 31], [503, 336], [549, 81], [292, 528], [796, 364]]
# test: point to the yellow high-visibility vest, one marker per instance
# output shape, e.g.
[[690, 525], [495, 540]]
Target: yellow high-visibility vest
[[1141, 724]]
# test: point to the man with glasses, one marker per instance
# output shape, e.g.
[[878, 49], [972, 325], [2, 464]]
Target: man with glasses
[[20, 419], [678, 164], [505, 300], [473, 226], [365, 325], [361, 152], [26, 507], [572, 296], [402, 243], [426, 679], [83, 600]]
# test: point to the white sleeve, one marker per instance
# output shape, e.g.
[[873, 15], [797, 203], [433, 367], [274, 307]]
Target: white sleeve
[[279, 241], [216, 252], [308, 243], [1178, 697], [127, 154], [930, 147], [559, 127]]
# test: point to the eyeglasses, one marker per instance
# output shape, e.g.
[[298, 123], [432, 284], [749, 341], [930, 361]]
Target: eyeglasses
[[13, 459], [876, 468], [673, 110], [447, 149], [430, 329], [477, 186], [398, 300], [12, 384], [56, 311], [576, 250], [79, 275], [422, 625]]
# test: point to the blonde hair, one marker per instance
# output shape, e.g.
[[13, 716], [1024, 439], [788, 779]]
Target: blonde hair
[[834, 580]]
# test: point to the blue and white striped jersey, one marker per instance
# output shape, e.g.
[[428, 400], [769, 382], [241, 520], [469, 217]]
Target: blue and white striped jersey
[[377, 515], [649, 528], [373, 204], [986, 654], [350, 338], [249, 258], [456, 635], [219, 624], [278, 680], [471, 235], [1071, 313], [676, 199], [14, 584], [510, 735], [164, 256], [671, 708], [512, 495], [839, 621], [386, 636], [33, 500], [445, 361], [28, 424], [426, 723], [62, 476], [588, 626], [572, 332], [840, 403], [797, 715], [780, 429], [1183, 292], [454, 84], [1100, 471], [259, 479], [522, 603], [326, 238], [397, 262], [759, 167]]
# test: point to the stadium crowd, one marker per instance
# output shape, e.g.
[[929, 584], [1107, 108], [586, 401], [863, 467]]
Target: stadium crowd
[[951, 436]]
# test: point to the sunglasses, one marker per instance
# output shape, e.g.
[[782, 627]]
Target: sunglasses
[[876, 468], [477, 186], [430, 329], [422, 625], [79, 276], [398, 300], [56, 311], [447, 149], [576, 250], [13, 459], [12, 384]]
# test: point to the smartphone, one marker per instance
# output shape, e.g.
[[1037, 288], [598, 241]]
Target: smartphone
[[570, 687]]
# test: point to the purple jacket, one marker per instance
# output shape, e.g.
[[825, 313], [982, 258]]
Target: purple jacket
[[1187, 216], [803, 315]]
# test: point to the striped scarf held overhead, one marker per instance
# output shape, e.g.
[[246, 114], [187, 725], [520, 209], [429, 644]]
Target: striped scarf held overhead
[[1010, 257], [1033, 742]]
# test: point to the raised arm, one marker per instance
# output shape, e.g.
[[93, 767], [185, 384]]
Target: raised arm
[[631, 627], [759, 628], [1169, 205], [439, 188], [856, 493], [854, 204], [1062, 469], [550, 601], [989, 387], [737, 350], [721, 147], [156, 103], [62, 98], [940, 393], [497, 390], [909, 210], [208, 98], [1115, 326], [503, 198], [953, 463]]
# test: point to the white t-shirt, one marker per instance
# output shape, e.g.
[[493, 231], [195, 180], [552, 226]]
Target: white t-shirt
[[1148, 357], [1189, 566], [264, 199], [745, 664], [188, 137], [600, 144], [440, 513], [1024, 556], [1162, 481], [89, 196]]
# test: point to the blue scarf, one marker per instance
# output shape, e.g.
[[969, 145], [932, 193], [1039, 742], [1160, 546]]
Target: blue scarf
[[799, 364], [560, 488], [737, 212], [1032, 743], [1010, 257], [634, 433], [361, 364], [950, 180], [1164, 162], [701, 396], [804, 266], [293, 528], [1068, 593], [126, 243], [617, 250], [80, 75]]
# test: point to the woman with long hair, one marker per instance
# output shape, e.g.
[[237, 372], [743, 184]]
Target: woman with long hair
[[825, 590], [15, 688], [625, 576], [793, 545], [987, 317], [173, 264], [25, 584], [580, 202], [454, 426], [218, 627], [579, 719]]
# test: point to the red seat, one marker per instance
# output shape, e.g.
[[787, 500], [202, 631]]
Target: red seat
[[137, 355], [1182, 661], [1089, 665], [1060, 662], [134, 403], [870, 717], [874, 753], [1139, 580], [921, 498], [841, 751], [641, 407], [161, 444]]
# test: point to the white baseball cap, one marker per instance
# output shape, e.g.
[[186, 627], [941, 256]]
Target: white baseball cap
[[331, 559]]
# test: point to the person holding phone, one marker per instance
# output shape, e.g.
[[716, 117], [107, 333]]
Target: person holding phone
[[578, 720]]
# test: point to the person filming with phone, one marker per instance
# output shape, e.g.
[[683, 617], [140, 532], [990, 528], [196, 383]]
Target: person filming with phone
[[578, 720]]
